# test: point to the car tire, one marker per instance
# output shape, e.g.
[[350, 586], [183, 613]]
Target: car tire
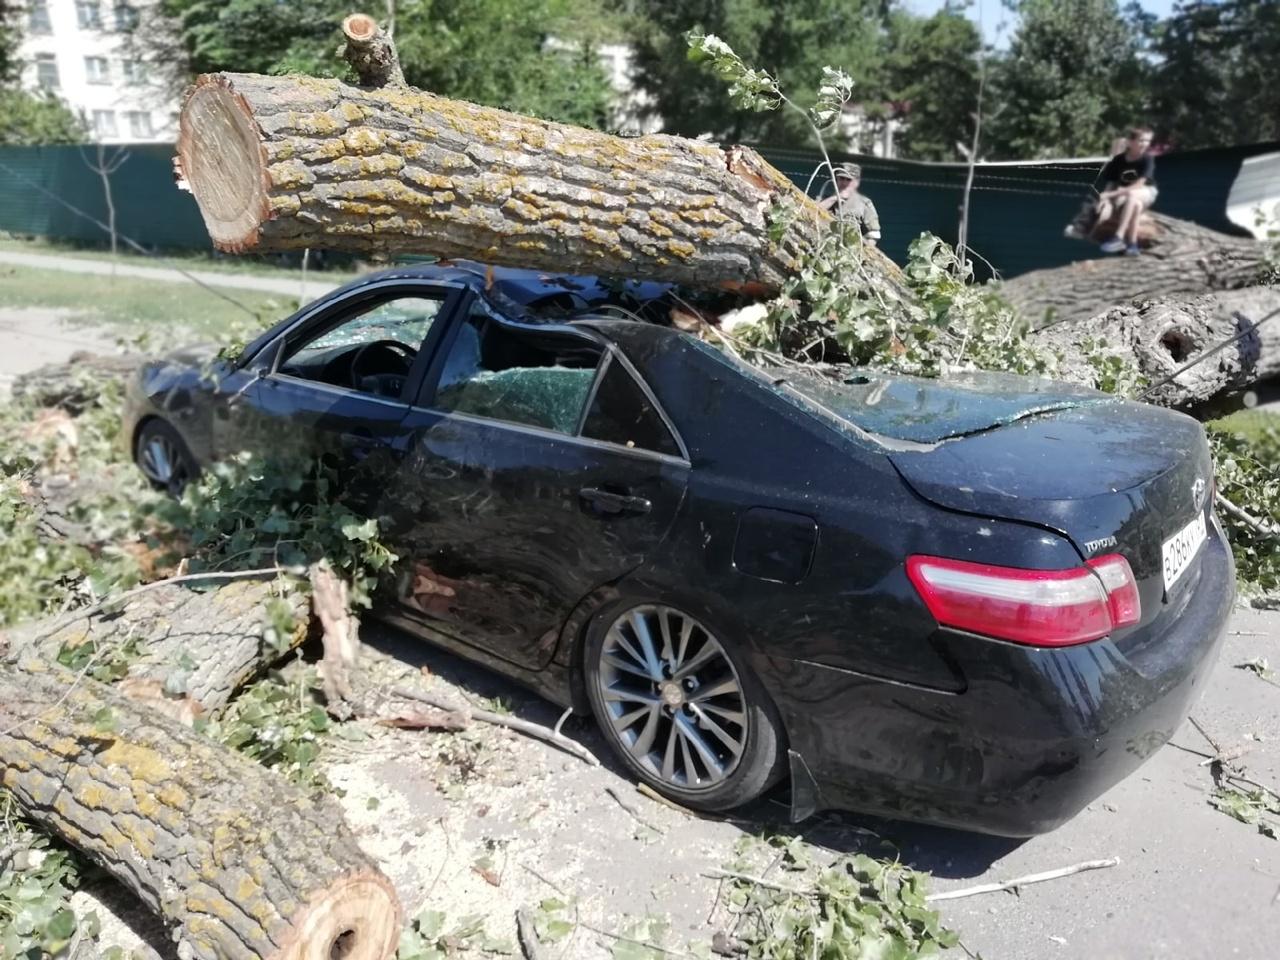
[[660, 729], [162, 456]]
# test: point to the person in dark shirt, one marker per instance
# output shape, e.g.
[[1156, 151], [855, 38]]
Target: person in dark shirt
[[1129, 180]]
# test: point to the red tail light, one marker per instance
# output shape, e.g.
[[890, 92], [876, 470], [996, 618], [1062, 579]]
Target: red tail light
[[1046, 608]]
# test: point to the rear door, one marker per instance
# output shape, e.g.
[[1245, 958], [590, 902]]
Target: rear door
[[539, 468]]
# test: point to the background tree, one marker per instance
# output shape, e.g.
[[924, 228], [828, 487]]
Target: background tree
[[31, 119], [1217, 76], [1071, 82], [28, 118], [493, 52], [792, 39], [930, 74]]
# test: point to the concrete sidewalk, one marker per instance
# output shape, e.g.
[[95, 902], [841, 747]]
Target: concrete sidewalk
[[104, 268]]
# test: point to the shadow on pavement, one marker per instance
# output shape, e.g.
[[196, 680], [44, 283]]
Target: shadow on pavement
[[941, 851]]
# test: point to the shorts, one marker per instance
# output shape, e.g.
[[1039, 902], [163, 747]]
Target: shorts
[[1144, 195]]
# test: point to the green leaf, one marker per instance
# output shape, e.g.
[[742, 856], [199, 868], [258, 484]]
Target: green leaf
[[359, 530], [430, 923], [628, 950], [104, 721], [62, 926], [553, 930]]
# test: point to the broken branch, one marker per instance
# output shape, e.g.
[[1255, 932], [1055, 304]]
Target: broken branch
[[635, 814], [536, 730], [1023, 881]]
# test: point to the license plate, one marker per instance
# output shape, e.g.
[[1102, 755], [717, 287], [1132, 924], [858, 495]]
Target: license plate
[[1180, 549]]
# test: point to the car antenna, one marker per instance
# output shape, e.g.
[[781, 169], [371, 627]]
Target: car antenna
[[1240, 318]]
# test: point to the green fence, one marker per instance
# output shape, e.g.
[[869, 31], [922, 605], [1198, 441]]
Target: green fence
[[1017, 212], [39, 184]]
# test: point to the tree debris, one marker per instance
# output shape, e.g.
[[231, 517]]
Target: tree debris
[[527, 727]]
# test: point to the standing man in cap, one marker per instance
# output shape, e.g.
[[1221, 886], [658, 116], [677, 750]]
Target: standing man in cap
[[854, 207]]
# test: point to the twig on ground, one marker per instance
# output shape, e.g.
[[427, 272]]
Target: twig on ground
[[1023, 881], [535, 730], [636, 814], [639, 943], [1235, 753], [1217, 749], [528, 936], [947, 895], [568, 712], [762, 882], [550, 883], [656, 797], [715, 904], [1190, 750], [1241, 778]]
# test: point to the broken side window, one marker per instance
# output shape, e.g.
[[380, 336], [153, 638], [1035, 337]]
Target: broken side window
[[540, 379], [622, 413]]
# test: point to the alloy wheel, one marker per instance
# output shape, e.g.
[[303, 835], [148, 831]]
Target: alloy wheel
[[163, 463], [672, 697]]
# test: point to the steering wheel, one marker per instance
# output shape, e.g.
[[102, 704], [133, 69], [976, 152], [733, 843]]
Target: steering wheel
[[405, 353]]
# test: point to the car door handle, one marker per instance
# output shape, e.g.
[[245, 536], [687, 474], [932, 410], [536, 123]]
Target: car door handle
[[609, 503]]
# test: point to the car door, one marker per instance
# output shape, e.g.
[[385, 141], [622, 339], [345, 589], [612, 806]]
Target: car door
[[539, 468], [336, 384]]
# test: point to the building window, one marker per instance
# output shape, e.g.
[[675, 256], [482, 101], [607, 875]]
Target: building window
[[140, 124], [96, 69], [126, 16], [104, 123], [89, 14], [133, 71], [47, 71], [38, 18]]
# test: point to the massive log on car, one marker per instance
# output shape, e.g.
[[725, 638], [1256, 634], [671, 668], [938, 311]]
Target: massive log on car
[[1184, 258], [238, 862], [184, 649], [1157, 338], [289, 162]]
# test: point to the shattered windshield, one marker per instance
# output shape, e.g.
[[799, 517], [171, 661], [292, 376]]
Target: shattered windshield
[[883, 408], [925, 411]]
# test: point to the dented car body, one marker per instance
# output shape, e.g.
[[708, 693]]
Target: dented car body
[[976, 603]]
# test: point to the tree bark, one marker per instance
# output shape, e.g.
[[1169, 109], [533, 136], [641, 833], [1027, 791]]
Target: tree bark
[[75, 384], [371, 52], [291, 162], [238, 862], [1158, 337], [1184, 258], [192, 648]]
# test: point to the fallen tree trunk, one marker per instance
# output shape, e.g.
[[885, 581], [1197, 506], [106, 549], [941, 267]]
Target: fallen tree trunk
[[289, 162], [183, 650], [1156, 338], [238, 862], [1184, 258], [75, 384]]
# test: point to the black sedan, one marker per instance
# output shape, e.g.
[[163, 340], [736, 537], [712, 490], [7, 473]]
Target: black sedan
[[978, 602]]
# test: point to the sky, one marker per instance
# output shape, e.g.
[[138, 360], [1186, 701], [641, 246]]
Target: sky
[[997, 22]]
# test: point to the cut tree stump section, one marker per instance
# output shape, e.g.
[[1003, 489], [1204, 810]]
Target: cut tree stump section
[[1184, 258], [289, 162], [238, 862], [1159, 337], [187, 650]]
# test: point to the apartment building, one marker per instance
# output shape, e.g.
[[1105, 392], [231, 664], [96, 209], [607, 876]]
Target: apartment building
[[77, 50]]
